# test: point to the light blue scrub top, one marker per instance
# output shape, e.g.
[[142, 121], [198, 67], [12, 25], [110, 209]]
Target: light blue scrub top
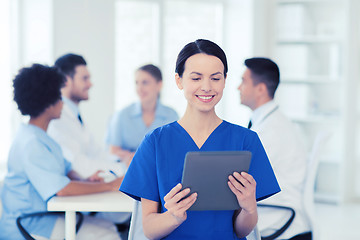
[[158, 164], [36, 171], [127, 128]]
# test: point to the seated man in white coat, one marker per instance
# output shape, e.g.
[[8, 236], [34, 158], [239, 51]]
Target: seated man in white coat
[[70, 131], [283, 146]]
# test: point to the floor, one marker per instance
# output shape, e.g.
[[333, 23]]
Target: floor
[[335, 222], [338, 222]]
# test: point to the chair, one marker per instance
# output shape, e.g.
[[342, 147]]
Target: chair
[[312, 168], [254, 235], [1, 183], [308, 192], [135, 231], [27, 235], [281, 230], [134, 215]]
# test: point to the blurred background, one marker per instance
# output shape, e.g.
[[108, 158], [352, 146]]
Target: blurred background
[[316, 44]]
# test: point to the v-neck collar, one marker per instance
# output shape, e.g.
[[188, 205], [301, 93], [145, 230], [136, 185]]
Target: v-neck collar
[[218, 128]]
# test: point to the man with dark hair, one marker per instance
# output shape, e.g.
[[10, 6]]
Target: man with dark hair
[[283, 146], [72, 134], [37, 169], [67, 62], [70, 131]]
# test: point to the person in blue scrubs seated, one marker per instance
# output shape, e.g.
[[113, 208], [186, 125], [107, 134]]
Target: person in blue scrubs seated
[[154, 175], [37, 169], [128, 127]]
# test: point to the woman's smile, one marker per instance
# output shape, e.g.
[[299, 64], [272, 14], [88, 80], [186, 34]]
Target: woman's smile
[[205, 98]]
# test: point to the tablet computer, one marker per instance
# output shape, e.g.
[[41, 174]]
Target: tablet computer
[[206, 173]]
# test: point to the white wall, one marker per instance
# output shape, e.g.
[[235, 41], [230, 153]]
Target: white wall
[[86, 27], [5, 85], [337, 179], [238, 46]]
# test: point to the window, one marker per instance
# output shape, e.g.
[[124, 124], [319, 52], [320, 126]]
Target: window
[[26, 38], [137, 37], [155, 31], [184, 22], [5, 85]]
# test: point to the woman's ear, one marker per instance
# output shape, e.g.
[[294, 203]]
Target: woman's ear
[[178, 80]]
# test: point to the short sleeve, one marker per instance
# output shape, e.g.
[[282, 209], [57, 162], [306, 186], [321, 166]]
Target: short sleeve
[[140, 180], [261, 170], [68, 166], [46, 172], [113, 135]]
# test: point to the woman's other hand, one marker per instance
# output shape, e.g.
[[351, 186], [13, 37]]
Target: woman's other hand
[[244, 187]]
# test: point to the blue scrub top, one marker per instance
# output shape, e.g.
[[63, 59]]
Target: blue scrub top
[[158, 164], [127, 128], [36, 171]]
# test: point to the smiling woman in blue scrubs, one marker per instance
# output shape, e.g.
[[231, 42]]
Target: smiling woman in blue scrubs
[[37, 169], [156, 169]]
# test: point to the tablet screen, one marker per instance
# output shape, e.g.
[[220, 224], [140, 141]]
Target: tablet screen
[[207, 174]]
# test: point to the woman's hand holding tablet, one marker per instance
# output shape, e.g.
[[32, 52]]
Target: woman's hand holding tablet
[[177, 203], [244, 187]]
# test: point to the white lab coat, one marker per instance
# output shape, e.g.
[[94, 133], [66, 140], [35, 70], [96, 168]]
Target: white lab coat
[[78, 145], [288, 158]]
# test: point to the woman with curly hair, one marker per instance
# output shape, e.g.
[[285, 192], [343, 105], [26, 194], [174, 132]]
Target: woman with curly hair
[[37, 169]]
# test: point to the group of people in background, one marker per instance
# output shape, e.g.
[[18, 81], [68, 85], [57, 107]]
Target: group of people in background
[[56, 154]]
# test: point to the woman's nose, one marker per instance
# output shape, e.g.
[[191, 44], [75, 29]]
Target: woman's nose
[[206, 86]]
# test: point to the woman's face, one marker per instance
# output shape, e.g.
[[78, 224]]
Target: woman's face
[[147, 87], [203, 81]]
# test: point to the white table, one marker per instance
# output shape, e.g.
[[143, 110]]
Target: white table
[[99, 202]]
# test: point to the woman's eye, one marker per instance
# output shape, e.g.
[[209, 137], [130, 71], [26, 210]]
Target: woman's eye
[[216, 79], [195, 79]]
